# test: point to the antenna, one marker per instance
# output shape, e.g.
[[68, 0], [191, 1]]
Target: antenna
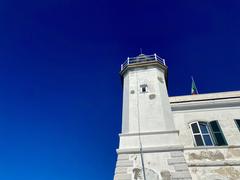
[[140, 50]]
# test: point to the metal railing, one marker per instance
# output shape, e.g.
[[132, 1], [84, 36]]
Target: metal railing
[[142, 58]]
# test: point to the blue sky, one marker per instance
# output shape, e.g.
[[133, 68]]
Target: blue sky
[[60, 90]]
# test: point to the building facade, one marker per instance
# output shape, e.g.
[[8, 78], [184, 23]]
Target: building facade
[[171, 138]]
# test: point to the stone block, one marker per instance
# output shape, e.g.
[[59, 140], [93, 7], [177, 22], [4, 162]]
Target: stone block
[[124, 163], [120, 170], [180, 167], [180, 175], [123, 157], [179, 160], [177, 154], [122, 177]]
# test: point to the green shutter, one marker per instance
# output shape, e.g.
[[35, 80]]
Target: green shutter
[[217, 134], [237, 121]]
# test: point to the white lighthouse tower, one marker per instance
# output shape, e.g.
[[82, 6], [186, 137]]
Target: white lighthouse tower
[[149, 147]]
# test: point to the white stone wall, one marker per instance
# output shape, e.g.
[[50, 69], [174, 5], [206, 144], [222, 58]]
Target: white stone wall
[[217, 162], [152, 109], [216, 173], [168, 165], [225, 117]]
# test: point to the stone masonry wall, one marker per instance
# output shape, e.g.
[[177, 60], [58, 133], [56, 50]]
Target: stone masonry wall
[[217, 163], [158, 166]]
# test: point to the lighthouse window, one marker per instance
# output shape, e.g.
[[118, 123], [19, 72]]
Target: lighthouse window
[[143, 88]]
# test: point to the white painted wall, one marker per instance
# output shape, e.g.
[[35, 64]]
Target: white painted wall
[[154, 114], [224, 107], [225, 117], [217, 162]]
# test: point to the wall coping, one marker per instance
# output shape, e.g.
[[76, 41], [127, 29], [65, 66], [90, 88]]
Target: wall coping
[[150, 149], [205, 97], [149, 133]]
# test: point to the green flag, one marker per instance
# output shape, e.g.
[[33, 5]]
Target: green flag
[[194, 88]]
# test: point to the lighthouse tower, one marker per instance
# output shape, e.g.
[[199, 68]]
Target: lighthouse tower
[[149, 148]]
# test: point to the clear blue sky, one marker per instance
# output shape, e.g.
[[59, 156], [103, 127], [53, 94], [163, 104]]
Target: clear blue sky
[[60, 91]]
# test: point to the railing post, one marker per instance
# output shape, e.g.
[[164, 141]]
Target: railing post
[[164, 62], [128, 60], [121, 67], [155, 56]]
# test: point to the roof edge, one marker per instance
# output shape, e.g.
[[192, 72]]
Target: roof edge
[[205, 97]]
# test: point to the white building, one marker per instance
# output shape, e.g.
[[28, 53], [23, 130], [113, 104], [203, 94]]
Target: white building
[[182, 137]]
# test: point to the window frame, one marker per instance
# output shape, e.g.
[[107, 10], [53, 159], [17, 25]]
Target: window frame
[[238, 126], [143, 86], [213, 132], [202, 134]]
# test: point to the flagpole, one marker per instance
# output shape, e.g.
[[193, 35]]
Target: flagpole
[[194, 84]]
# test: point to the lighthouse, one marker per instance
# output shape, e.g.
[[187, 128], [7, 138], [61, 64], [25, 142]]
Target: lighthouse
[[149, 146]]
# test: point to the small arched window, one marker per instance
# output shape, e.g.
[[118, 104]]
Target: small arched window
[[201, 134], [207, 134]]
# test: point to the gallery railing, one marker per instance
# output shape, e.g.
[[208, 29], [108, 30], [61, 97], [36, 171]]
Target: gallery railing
[[142, 58]]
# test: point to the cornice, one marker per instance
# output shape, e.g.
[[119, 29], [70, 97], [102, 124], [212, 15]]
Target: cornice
[[207, 104]]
